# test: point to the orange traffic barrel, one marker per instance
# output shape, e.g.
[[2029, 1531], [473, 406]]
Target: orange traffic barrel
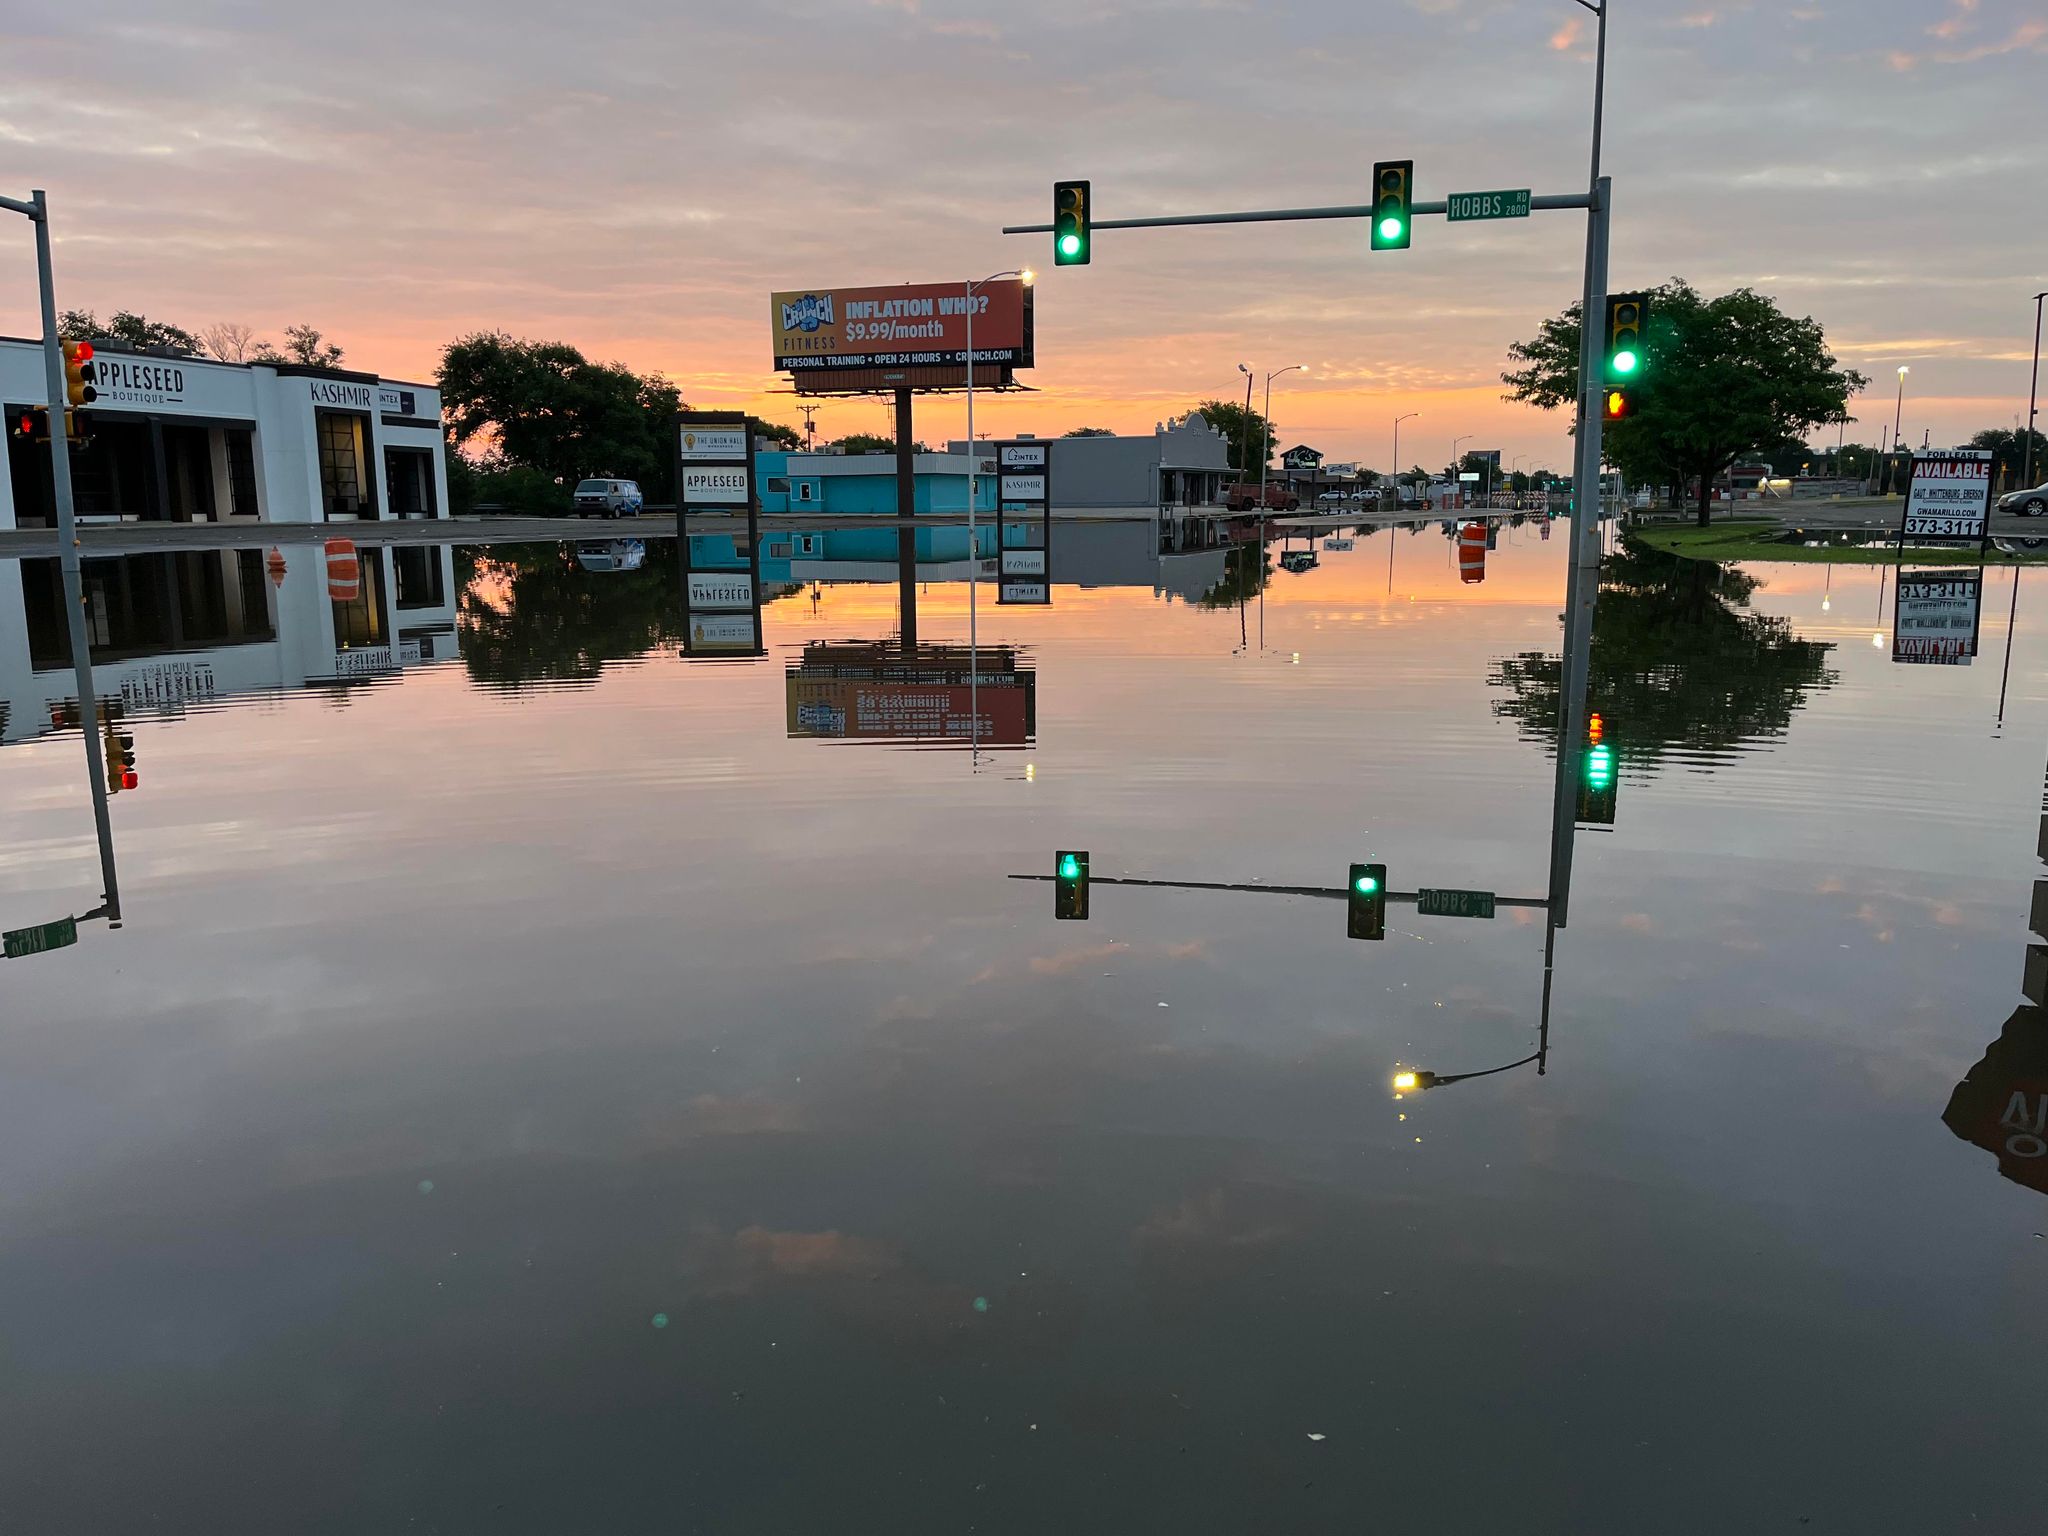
[[274, 564], [344, 571], [1472, 552]]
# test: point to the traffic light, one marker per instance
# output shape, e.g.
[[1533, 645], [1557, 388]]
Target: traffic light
[[78, 373], [1365, 901], [1598, 774], [1617, 403], [31, 422], [1392, 194], [1070, 886], [1072, 224], [1626, 315]]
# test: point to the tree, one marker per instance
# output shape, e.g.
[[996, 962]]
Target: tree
[[1089, 432], [543, 406], [1518, 482], [304, 345], [83, 325], [2009, 455], [788, 437], [868, 442], [1678, 667], [1241, 431], [229, 340], [542, 618], [1721, 377]]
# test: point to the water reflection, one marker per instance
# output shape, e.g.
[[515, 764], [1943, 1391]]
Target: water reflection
[[1680, 667]]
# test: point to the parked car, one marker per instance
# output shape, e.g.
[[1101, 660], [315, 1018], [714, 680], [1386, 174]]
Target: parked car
[[2032, 503], [608, 498], [1335, 498], [1244, 498]]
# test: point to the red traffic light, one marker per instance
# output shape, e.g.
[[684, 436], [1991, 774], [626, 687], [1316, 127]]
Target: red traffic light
[[82, 351], [1595, 728], [1618, 405], [130, 778]]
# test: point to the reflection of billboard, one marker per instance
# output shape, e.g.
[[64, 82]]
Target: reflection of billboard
[[876, 691], [908, 325], [1935, 618]]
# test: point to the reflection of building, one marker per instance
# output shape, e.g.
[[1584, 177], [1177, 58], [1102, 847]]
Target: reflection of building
[[878, 691], [2001, 1104], [846, 554], [190, 440], [1126, 553], [184, 627]]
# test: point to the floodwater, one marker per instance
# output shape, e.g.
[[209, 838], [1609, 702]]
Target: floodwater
[[540, 1082]]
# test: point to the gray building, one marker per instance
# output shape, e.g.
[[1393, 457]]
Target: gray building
[[1183, 463]]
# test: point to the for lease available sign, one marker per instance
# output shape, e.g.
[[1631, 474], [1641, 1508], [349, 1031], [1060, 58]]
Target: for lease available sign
[[1950, 497]]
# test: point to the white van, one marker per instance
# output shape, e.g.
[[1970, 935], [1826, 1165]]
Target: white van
[[608, 498]]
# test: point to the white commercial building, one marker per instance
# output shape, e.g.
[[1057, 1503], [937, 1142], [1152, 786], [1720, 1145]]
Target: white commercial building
[[177, 439]]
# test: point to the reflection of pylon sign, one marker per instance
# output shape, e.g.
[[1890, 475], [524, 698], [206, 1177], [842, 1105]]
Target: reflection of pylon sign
[[274, 564], [1472, 552], [344, 571]]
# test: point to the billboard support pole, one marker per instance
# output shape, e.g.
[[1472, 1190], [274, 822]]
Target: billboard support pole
[[906, 510]]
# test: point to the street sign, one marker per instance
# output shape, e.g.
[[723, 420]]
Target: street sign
[[1447, 903], [716, 485], [1488, 205], [43, 936], [1950, 497], [718, 444]]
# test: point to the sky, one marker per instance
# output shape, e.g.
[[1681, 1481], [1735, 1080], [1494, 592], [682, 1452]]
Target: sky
[[636, 177]]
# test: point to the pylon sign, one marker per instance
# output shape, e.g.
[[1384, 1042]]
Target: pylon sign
[[1024, 522]]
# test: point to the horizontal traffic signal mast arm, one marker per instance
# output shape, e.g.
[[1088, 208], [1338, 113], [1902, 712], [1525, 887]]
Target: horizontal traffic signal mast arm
[[1286, 215], [1332, 893]]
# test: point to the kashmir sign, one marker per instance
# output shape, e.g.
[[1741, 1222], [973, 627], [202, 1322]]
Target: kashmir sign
[[1949, 500], [907, 325], [1935, 617]]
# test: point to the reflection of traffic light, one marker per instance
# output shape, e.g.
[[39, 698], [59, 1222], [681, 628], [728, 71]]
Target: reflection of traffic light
[[1071, 224], [78, 373], [120, 759], [1392, 193], [1599, 773], [1616, 403], [1070, 886], [1365, 901]]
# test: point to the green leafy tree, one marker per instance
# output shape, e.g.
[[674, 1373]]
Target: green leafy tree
[[1089, 432], [788, 437], [1721, 377], [2009, 455], [1249, 436], [868, 442], [83, 325], [304, 345], [1679, 667], [543, 406]]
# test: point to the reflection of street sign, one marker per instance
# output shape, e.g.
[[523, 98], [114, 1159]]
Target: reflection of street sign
[[721, 589], [1449, 903], [2002, 1105], [1023, 592], [1487, 205], [1935, 616], [43, 936], [1023, 562], [722, 632]]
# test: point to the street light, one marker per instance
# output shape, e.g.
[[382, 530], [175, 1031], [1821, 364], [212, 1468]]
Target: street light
[[973, 535], [1397, 455], [1244, 436], [2033, 387], [1898, 417], [1419, 1081]]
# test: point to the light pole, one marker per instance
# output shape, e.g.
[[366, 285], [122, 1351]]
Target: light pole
[[1456, 463], [1898, 416], [2033, 386], [1244, 437], [36, 209], [973, 549], [1397, 455], [1268, 413]]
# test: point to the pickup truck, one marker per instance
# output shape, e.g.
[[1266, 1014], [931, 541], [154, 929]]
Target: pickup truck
[[1244, 498]]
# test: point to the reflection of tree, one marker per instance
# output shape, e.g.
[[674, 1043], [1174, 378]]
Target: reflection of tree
[[529, 613], [1676, 667], [1245, 570]]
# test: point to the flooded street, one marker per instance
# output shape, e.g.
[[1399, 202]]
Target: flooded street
[[544, 1082]]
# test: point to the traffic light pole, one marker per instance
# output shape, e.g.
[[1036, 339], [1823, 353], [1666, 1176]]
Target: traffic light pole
[[36, 209]]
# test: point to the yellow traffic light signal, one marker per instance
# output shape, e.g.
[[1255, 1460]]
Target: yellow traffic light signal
[[78, 373]]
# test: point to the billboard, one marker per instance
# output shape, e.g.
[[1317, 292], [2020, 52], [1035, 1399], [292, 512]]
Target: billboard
[[1949, 498], [905, 325]]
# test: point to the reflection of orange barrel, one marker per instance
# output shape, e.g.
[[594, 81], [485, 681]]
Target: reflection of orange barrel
[[1472, 552], [344, 571], [274, 564]]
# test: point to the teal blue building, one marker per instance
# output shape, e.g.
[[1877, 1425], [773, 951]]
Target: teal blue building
[[847, 484]]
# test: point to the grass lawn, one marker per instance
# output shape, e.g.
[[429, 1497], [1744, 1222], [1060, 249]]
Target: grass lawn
[[1757, 540]]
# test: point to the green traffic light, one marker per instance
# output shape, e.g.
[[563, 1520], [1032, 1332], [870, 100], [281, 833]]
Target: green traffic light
[[1600, 767], [1070, 868], [1070, 245], [1367, 885], [1390, 229], [1625, 361]]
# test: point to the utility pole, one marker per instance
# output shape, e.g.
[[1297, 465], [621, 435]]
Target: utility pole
[[2033, 387], [36, 209], [810, 427]]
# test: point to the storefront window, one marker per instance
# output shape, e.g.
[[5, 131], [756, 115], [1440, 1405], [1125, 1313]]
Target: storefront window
[[342, 491], [360, 621]]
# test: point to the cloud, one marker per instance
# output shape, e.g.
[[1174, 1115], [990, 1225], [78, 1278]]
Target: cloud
[[1568, 34], [1956, 24]]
